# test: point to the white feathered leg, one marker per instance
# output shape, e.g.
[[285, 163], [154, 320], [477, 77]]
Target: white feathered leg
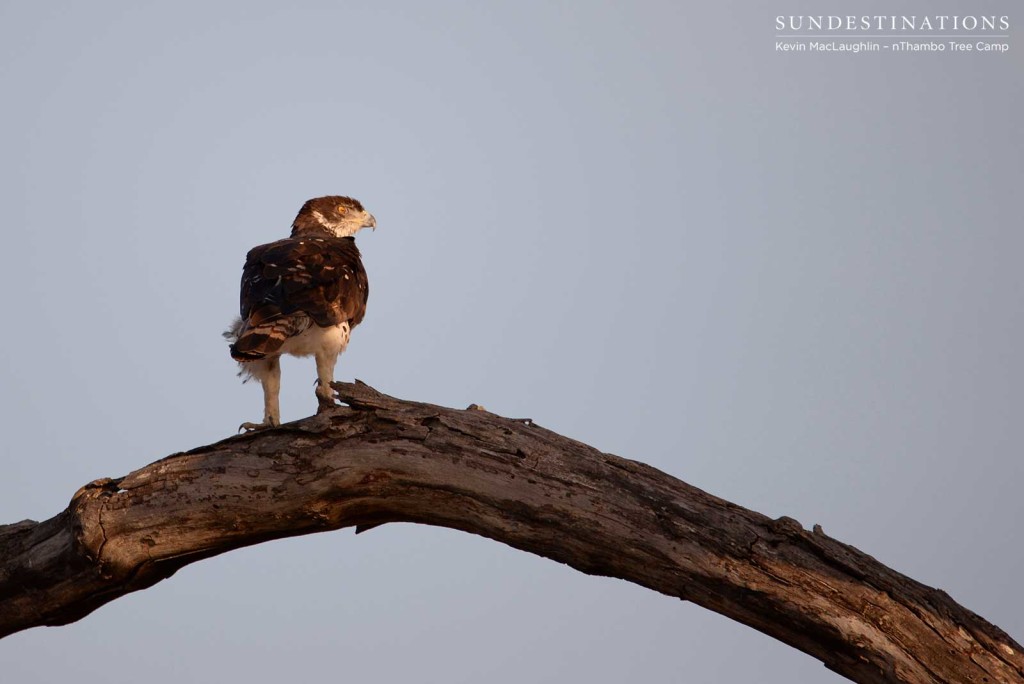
[[268, 372]]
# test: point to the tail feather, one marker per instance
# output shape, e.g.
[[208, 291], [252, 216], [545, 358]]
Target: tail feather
[[259, 341]]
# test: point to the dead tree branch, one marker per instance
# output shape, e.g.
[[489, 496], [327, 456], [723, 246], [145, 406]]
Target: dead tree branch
[[381, 460]]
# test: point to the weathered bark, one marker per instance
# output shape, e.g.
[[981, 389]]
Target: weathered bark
[[385, 460]]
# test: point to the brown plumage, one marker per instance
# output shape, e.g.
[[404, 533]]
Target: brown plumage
[[302, 296], [289, 283]]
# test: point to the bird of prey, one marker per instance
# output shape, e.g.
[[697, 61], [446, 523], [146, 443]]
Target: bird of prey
[[302, 296]]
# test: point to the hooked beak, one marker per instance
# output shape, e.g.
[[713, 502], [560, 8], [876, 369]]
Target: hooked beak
[[370, 222]]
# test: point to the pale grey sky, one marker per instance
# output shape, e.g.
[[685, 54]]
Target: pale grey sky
[[791, 280]]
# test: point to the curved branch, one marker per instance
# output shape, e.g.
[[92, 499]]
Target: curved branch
[[381, 459]]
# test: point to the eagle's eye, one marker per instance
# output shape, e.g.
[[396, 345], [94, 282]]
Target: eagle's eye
[[342, 209]]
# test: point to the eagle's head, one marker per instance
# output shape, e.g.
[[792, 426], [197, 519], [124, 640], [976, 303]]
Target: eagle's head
[[333, 215]]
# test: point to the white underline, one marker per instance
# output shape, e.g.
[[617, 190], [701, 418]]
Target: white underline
[[850, 35]]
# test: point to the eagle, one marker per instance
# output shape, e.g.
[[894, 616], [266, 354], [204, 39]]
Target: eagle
[[302, 296]]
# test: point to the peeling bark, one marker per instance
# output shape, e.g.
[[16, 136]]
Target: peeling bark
[[382, 459]]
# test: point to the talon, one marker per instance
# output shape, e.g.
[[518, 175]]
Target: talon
[[325, 404], [324, 397], [252, 427]]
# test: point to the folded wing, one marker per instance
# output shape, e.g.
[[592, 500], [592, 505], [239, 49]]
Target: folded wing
[[291, 284]]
